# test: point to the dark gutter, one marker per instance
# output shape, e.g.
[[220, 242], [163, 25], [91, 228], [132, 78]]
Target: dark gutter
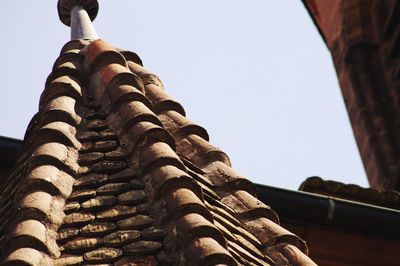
[[293, 205], [324, 210], [9, 149]]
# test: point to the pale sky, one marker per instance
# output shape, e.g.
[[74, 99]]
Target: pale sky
[[256, 74]]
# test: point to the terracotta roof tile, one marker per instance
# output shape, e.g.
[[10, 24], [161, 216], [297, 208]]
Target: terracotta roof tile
[[193, 225], [98, 229], [69, 260], [27, 256], [125, 93], [103, 255], [137, 260], [207, 251], [145, 75], [131, 56], [99, 54], [201, 152], [161, 100], [168, 177], [182, 201], [62, 85], [294, 255], [117, 174], [50, 179], [389, 199], [243, 256], [60, 109], [135, 112], [32, 233]]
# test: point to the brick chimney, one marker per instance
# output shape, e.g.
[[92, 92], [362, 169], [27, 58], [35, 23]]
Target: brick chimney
[[363, 38]]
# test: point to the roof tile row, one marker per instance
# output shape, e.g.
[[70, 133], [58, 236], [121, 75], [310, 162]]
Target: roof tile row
[[43, 182], [141, 182]]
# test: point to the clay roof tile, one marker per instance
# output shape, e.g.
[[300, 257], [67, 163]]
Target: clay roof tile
[[206, 251], [112, 171]]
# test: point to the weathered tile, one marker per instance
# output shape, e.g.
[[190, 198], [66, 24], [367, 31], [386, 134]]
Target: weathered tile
[[83, 194], [67, 234], [162, 100], [93, 105], [108, 134], [96, 125], [84, 136], [108, 167], [182, 201], [207, 251], [91, 181], [113, 188], [71, 207], [87, 146], [36, 232], [24, 256], [144, 208], [98, 229], [120, 238], [100, 52], [116, 212], [70, 260], [142, 248], [165, 258], [223, 211], [248, 246], [105, 145], [83, 244], [135, 222], [117, 154], [167, 177], [100, 114], [132, 111], [137, 184], [137, 261], [102, 255], [77, 218], [123, 176], [266, 231], [153, 234], [132, 197], [120, 93], [90, 158], [49, 178], [99, 202], [91, 114], [193, 225], [157, 154]]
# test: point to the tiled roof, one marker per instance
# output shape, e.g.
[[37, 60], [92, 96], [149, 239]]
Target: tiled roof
[[389, 199], [112, 172]]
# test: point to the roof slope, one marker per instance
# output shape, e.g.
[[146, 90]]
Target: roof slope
[[112, 172]]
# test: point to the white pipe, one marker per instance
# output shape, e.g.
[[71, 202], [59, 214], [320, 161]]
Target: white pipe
[[81, 25]]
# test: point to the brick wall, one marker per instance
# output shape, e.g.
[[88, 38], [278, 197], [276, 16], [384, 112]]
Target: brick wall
[[364, 40]]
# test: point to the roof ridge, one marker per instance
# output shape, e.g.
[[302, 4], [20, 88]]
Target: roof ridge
[[44, 178], [140, 182], [192, 144], [158, 164]]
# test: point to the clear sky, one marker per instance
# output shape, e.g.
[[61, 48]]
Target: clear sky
[[256, 74]]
